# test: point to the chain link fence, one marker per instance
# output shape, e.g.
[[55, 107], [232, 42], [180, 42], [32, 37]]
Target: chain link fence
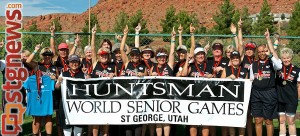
[[31, 39]]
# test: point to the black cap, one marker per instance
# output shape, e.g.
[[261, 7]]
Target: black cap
[[235, 53], [217, 46], [135, 51], [48, 53]]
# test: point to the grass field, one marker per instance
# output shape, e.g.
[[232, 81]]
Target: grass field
[[179, 132]]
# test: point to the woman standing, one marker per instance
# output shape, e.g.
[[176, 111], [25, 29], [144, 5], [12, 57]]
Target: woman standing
[[200, 68], [235, 71], [164, 67], [101, 68], [73, 72]]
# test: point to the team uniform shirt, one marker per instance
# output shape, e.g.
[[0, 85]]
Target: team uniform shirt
[[238, 72], [200, 70], [247, 61], [286, 84], [149, 64], [223, 62], [39, 103], [120, 68], [78, 74], [61, 64], [179, 66], [47, 69], [263, 73], [87, 63], [103, 70], [165, 70], [132, 69]]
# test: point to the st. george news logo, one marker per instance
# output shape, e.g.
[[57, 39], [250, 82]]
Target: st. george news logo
[[15, 74]]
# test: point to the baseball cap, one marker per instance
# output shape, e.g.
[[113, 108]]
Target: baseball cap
[[250, 45], [199, 49], [181, 47], [63, 46], [48, 53], [217, 46], [73, 58], [117, 46], [159, 54], [135, 51], [148, 48], [235, 53]]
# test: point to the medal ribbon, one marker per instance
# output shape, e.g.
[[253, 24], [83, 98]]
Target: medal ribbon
[[216, 64], [238, 74], [285, 77], [64, 64], [199, 70], [158, 72], [119, 74], [38, 80], [89, 66], [260, 70], [73, 74]]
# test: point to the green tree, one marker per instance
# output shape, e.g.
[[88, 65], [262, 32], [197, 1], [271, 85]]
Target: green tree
[[247, 21], [85, 29], [121, 20], [29, 41], [170, 20], [133, 22], [294, 23], [264, 20], [223, 18], [294, 28], [236, 17]]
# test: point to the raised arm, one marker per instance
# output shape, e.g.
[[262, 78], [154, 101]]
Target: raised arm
[[180, 29], [137, 37], [123, 54], [77, 43], [233, 31], [186, 69], [240, 39], [52, 42], [172, 50], [192, 30], [36, 49], [93, 48], [270, 44]]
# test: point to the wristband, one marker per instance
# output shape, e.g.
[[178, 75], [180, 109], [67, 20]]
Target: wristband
[[52, 36], [75, 45], [270, 56], [275, 44], [34, 52], [172, 41], [234, 35]]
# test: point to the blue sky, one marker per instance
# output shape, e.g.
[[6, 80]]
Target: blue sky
[[43, 7]]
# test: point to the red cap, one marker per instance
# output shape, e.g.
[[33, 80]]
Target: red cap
[[250, 45], [63, 46], [103, 52]]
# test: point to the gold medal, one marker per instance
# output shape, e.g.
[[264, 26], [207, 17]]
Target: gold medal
[[284, 82], [260, 78]]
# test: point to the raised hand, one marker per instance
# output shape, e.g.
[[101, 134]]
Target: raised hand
[[180, 29], [173, 34], [192, 28], [118, 37], [240, 23], [77, 40], [138, 28], [94, 29], [52, 28], [232, 77], [267, 33], [38, 47], [206, 47], [233, 28], [125, 31]]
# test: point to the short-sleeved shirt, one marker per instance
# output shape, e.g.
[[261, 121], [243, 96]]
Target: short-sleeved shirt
[[87, 63], [178, 65], [201, 69], [247, 61], [149, 64], [61, 64], [132, 69], [238, 72], [264, 71], [223, 62], [120, 68], [288, 93], [163, 71], [39, 104], [103, 70]]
